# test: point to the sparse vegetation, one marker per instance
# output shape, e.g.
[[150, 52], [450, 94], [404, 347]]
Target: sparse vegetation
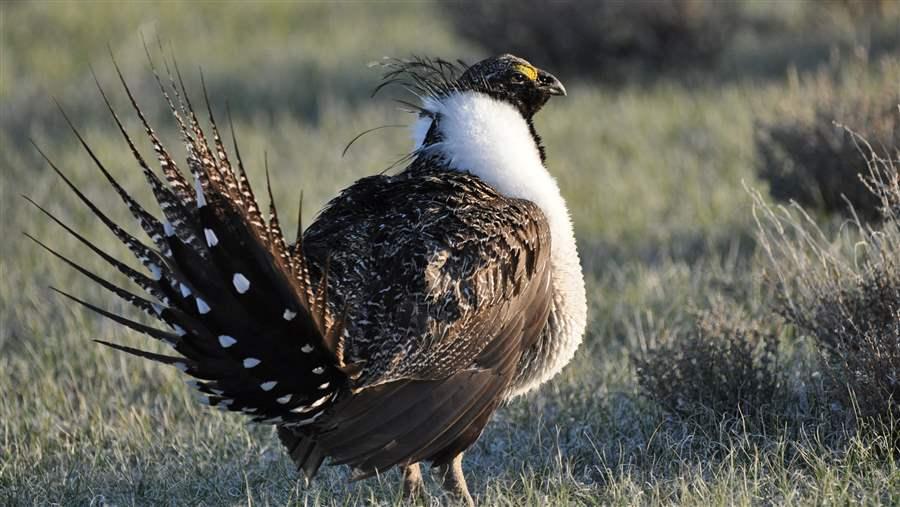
[[653, 176], [604, 39], [845, 293], [624, 43], [808, 158], [725, 369]]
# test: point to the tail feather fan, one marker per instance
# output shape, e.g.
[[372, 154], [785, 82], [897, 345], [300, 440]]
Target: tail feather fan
[[242, 311]]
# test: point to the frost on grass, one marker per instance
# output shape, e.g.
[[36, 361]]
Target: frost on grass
[[843, 291]]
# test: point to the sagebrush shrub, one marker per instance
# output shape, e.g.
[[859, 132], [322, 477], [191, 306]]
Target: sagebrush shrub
[[870, 8], [726, 367], [811, 159], [605, 39], [845, 292]]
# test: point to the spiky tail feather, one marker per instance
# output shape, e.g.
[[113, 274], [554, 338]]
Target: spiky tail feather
[[243, 315]]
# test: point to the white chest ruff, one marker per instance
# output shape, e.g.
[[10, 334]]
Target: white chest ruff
[[491, 140]]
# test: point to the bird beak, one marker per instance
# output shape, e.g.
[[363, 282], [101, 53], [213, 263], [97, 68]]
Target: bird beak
[[548, 83]]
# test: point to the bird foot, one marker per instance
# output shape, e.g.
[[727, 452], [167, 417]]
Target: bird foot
[[454, 482], [413, 485]]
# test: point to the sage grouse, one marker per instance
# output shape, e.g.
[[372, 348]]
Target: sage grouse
[[407, 312]]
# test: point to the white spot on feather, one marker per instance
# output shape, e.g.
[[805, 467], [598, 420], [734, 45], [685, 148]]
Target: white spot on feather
[[155, 272], [306, 348], [211, 238], [179, 330], [202, 307], [324, 386], [312, 406], [226, 341], [318, 370], [268, 386], [168, 230], [251, 362], [289, 315], [284, 400], [241, 284], [185, 290], [320, 401]]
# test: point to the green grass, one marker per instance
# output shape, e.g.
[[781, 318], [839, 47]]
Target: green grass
[[653, 175]]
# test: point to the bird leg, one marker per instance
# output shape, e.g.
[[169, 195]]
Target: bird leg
[[454, 482], [413, 486]]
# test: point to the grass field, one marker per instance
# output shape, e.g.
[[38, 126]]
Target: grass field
[[654, 175]]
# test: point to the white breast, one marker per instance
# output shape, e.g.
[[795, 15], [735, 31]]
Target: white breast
[[491, 140]]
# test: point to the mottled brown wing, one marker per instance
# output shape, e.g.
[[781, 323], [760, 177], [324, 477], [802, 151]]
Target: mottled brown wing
[[421, 263], [463, 290]]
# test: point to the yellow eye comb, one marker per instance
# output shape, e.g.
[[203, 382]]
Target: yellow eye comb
[[527, 70]]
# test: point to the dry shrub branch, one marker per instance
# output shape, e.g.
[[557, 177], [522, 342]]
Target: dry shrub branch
[[844, 291], [726, 368]]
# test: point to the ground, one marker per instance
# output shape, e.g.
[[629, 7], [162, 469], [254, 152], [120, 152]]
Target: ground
[[654, 174]]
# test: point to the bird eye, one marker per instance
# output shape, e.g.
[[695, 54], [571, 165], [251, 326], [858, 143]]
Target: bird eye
[[518, 77]]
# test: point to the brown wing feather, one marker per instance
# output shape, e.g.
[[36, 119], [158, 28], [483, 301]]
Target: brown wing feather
[[462, 291], [419, 261]]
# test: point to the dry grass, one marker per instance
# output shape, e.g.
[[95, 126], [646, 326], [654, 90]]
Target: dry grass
[[843, 290], [653, 177]]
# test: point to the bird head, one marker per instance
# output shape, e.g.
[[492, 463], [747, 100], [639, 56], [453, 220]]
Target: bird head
[[440, 84], [512, 79], [506, 78]]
